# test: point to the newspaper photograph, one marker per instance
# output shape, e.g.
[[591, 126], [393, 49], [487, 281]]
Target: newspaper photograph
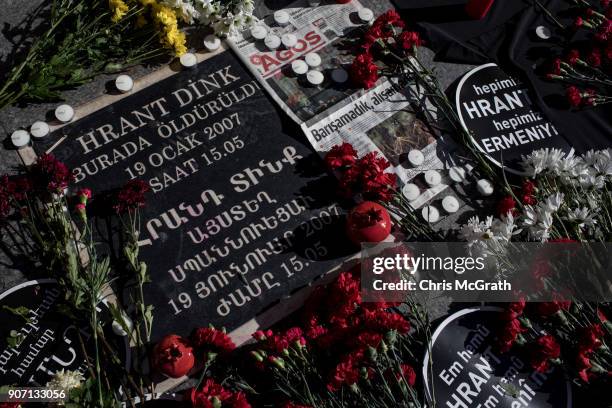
[[330, 30]]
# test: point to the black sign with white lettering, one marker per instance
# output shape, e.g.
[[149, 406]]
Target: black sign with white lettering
[[239, 214], [36, 339], [468, 371], [504, 123]]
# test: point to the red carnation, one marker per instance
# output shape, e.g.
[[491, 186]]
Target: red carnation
[[505, 206], [508, 334], [408, 374], [578, 22], [547, 309], [342, 155], [281, 342], [573, 57], [563, 240], [291, 404], [131, 196], [213, 395], [556, 67], [528, 193], [211, 339], [594, 58], [574, 97], [5, 196], [363, 71], [390, 18], [372, 36], [84, 193], [346, 372], [546, 348], [583, 364], [408, 40], [49, 174], [366, 339], [384, 321], [589, 338], [238, 400], [515, 309], [210, 391]]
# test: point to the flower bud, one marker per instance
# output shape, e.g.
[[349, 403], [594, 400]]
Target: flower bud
[[210, 356], [277, 361], [113, 67], [372, 353], [257, 356], [81, 210], [596, 368], [363, 372], [391, 337], [525, 322], [216, 402]]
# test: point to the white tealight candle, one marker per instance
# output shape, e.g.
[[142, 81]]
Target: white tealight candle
[[416, 157], [272, 41], [20, 138], [313, 59], [450, 204], [64, 113], [259, 32], [430, 213], [315, 77], [543, 32], [339, 75], [365, 14], [299, 67], [281, 17], [484, 187], [433, 177], [39, 129], [124, 83], [457, 174], [212, 42], [411, 191], [188, 60], [289, 40]]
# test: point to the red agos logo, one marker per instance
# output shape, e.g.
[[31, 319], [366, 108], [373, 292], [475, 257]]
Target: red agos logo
[[270, 62]]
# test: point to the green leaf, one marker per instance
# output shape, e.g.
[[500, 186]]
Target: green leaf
[[21, 311]]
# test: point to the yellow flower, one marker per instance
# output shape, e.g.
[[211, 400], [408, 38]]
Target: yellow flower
[[141, 21], [118, 8], [171, 36], [176, 39]]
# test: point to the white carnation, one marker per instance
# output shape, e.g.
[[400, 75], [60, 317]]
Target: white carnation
[[65, 380]]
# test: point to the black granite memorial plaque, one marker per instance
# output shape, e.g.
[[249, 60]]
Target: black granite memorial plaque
[[239, 214]]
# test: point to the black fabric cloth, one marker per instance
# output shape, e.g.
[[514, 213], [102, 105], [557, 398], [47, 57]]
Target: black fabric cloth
[[507, 37]]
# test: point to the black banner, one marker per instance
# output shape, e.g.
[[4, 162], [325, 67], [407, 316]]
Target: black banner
[[465, 369], [505, 124]]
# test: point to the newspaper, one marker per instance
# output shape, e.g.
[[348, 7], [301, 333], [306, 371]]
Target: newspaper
[[379, 119], [328, 30]]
